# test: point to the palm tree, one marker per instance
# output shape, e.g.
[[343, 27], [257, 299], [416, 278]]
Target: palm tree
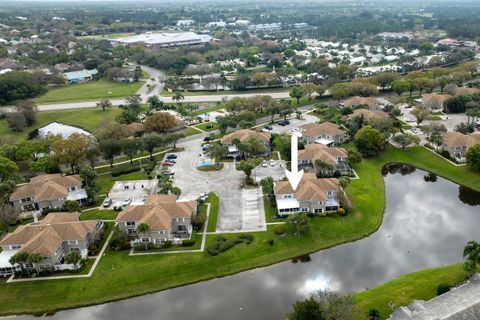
[[178, 96], [20, 258], [472, 253], [35, 258], [344, 182], [143, 228]]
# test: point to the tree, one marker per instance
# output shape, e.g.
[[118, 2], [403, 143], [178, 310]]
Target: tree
[[143, 228], [353, 157], [436, 138], [154, 103], [406, 139], [29, 149], [465, 128], [297, 93], [310, 88], [344, 182], [71, 150], [151, 141], [89, 177], [110, 148], [15, 86], [7, 216], [247, 167], [104, 104], [46, 164], [369, 141], [299, 221], [308, 309], [473, 157], [71, 206], [421, 114], [456, 104], [173, 138], [217, 152], [35, 258], [29, 110], [385, 79], [177, 97], [7, 168], [130, 148], [471, 253], [16, 121], [254, 146], [400, 86], [423, 83], [20, 258], [339, 91], [73, 257], [160, 122], [373, 314], [6, 189]]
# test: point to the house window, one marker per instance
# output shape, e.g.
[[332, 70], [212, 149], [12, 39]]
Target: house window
[[73, 188], [305, 210], [130, 223], [28, 207], [318, 210], [287, 196], [130, 231], [15, 246], [26, 200], [182, 228], [145, 239], [72, 242]]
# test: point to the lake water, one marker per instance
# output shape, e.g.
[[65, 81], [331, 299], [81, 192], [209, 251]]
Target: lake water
[[428, 221]]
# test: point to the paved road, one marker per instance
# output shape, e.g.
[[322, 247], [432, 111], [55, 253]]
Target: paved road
[[158, 88]]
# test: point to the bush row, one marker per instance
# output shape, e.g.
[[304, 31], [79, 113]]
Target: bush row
[[124, 170]]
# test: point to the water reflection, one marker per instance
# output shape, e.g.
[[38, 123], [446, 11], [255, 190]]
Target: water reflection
[[303, 258], [426, 224]]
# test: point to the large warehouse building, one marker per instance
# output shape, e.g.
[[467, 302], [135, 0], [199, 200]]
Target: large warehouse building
[[165, 39]]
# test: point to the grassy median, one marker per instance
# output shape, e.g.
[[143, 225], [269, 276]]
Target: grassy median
[[119, 276]]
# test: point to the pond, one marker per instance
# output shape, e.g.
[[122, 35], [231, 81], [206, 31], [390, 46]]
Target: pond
[[428, 221]]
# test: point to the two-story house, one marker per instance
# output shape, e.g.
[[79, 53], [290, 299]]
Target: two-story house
[[48, 191], [457, 143], [243, 136], [325, 133], [334, 158], [167, 218], [313, 195], [53, 237]]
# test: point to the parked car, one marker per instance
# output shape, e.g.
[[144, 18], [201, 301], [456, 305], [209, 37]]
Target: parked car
[[268, 127], [107, 202], [272, 163], [167, 164], [172, 156], [203, 196], [293, 131], [284, 123], [414, 130], [171, 172], [126, 201], [205, 147], [264, 163]]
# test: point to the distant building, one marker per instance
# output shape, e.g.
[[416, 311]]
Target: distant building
[[325, 133], [369, 114], [243, 135], [242, 23], [216, 25], [268, 27], [164, 39], [457, 143], [185, 23], [301, 25], [80, 76], [334, 157]]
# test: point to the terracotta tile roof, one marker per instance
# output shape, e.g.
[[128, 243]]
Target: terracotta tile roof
[[47, 236], [356, 101], [160, 198], [244, 134], [317, 129], [46, 187], [60, 217], [329, 155], [310, 188], [369, 114], [158, 211], [458, 139]]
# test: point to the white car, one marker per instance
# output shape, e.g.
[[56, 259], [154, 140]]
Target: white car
[[126, 202], [414, 130], [293, 131], [409, 120], [203, 196], [272, 163], [264, 163], [172, 172]]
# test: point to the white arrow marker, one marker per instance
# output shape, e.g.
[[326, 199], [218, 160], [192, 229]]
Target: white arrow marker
[[294, 176]]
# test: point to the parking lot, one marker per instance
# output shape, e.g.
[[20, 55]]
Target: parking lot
[[294, 123], [134, 192]]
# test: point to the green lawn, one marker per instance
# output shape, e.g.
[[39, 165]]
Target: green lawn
[[92, 90], [212, 219], [160, 272], [420, 285], [208, 126], [88, 119], [99, 214]]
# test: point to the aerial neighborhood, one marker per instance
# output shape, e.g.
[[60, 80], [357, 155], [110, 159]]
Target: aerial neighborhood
[[332, 150]]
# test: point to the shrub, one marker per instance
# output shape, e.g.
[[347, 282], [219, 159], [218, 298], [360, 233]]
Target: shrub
[[280, 230], [124, 169], [341, 211], [199, 221], [188, 243], [167, 244], [119, 240], [246, 237], [445, 154], [270, 242], [92, 249], [443, 288], [149, 167]]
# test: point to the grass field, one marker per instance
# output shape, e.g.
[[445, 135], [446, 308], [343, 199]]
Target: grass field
[[212, 219], [99, 214], [420, 285], [88, 119], [162, 272], [87, 91]]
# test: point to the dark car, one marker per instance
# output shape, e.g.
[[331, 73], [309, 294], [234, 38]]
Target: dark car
[[284, 123], [269, 127], [172, 156]]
